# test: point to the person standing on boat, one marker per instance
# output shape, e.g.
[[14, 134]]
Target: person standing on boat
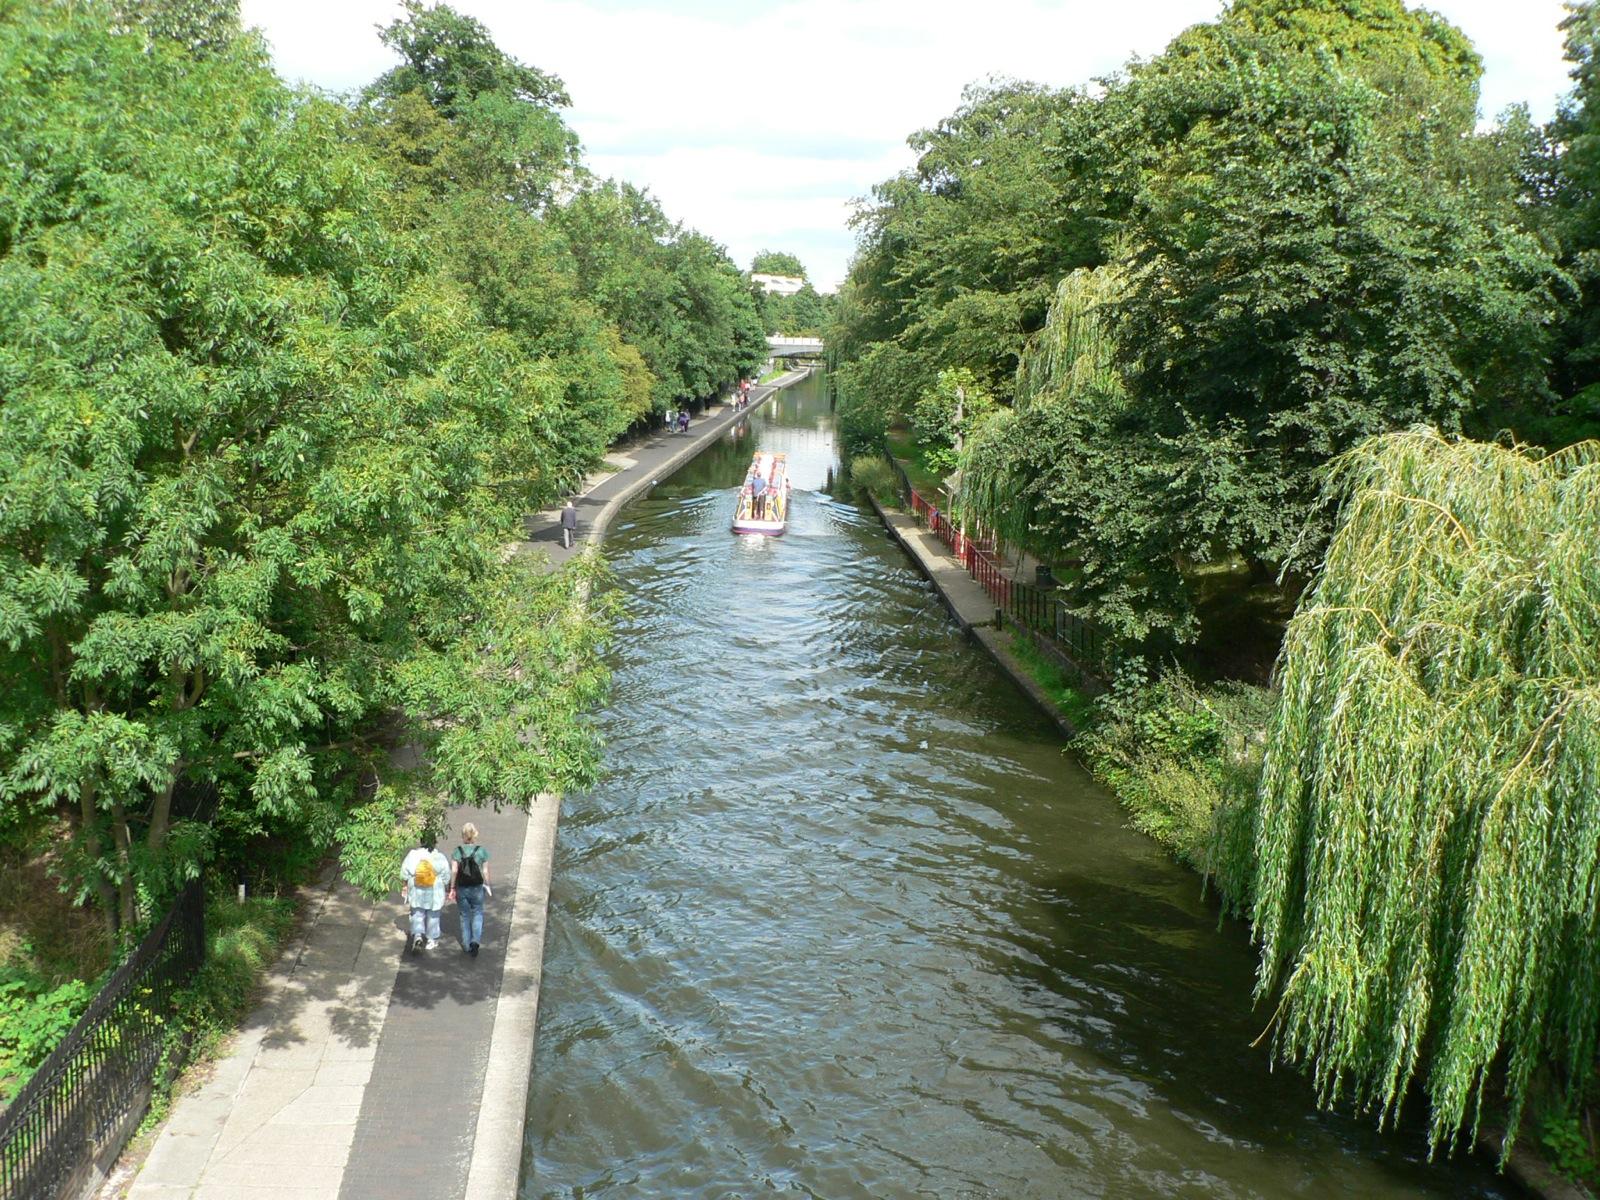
[[758, 497]]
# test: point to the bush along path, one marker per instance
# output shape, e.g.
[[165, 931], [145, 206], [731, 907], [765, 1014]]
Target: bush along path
[[317, 1097]]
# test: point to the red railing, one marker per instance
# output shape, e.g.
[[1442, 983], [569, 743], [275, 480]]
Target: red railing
[[1031, 607], [986, 569]]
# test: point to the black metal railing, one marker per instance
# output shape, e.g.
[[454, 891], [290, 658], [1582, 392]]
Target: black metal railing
[[97, 1082]]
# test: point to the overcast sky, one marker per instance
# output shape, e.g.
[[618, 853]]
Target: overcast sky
[[758, 121]]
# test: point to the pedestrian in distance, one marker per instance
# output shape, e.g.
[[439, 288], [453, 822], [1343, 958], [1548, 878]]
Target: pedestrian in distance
[[569, 524], [672, 420], [683, 421], [469, 884], [427, 881]]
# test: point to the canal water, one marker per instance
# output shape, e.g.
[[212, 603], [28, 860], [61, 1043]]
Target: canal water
[[843, 920]]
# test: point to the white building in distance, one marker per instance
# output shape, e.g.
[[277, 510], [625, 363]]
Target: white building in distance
[[778, 285]]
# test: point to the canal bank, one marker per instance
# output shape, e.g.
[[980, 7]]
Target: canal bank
[[966, 599], [317, 1096], [969, 605]]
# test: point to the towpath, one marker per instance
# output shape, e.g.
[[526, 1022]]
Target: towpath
[[365, 1072]]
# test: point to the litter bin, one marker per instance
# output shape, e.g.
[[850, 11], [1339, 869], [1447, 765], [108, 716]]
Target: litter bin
[[1042, 577]]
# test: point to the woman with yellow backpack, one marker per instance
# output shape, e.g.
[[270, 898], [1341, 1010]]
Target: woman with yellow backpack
[[427, 880]]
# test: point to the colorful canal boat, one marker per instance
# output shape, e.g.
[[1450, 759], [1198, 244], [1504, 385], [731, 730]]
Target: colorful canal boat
[[764, 497]]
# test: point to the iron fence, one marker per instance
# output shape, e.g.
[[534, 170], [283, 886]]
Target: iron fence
[[1036, 609], [86, 1095]]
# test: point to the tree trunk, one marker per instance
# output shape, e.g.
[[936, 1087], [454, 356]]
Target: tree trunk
[[94, 848]]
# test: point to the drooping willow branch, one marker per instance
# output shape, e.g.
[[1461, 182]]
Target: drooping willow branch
[[1423, 856]]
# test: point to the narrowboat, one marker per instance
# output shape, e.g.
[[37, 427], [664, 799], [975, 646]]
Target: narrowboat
[[764, 496]]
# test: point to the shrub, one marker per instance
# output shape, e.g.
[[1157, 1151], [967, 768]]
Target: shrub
[[872, 473], [1181, 758], [34, 1016]]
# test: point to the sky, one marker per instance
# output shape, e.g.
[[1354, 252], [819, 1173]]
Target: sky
[[761, 122]]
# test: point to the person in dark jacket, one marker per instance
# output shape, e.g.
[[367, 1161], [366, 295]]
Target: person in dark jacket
[[569, 524]]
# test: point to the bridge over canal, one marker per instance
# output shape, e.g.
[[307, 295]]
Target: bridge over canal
[[783, 346]]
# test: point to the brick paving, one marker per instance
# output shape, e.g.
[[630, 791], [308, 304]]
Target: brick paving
[[320, 1096], [434, 1048]]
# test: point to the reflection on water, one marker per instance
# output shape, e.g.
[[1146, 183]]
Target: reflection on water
[[844, 922]]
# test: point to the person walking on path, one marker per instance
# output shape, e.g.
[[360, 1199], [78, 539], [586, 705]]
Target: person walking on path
[[427, 881], [469, 884], [569, 524]]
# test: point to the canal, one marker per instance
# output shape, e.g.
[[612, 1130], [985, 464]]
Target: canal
[[843, 921]]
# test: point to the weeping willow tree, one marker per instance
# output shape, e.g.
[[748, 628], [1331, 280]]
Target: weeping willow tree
[[1423, 856], [1075, 352], [1071, 361]]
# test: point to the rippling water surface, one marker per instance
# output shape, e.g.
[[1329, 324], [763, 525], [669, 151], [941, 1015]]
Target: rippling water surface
[[843, 921]]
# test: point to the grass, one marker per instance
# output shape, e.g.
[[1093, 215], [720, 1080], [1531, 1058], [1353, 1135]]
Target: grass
[[873, 473], [908, 454], [1073, 704], [242, 941]]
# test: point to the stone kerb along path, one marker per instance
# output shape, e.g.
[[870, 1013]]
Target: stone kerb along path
[[365, 1072]]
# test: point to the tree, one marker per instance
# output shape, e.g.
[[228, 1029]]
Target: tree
[[1420, 862], [1284, 199], [1296, 281], [259, 465], [957, 258], [775, 262], [673, 294], [1565, 181], [509, 138]]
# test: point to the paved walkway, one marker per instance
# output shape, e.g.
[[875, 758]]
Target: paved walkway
[[367, 1072]]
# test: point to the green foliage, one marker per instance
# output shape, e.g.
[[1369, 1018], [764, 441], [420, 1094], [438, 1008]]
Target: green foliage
[[1058, 684], [34, 1017], [957, 258], [1423, 852], [1198, 286], [199, 27], [1182, 759], [873, 473], [946, 412], [673, 294], [261, 456], [1564, 173], [875, 391], [804, 314], [776, 262], [1290, 294], [1568, 1147], [242, 941]]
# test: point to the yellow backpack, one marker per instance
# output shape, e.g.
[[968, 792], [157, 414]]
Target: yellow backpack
[[425, 874]]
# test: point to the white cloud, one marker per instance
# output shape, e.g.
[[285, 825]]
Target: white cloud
[[758, 123]]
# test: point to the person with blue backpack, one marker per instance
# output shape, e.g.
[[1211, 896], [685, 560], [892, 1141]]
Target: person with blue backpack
[[469, 884]]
